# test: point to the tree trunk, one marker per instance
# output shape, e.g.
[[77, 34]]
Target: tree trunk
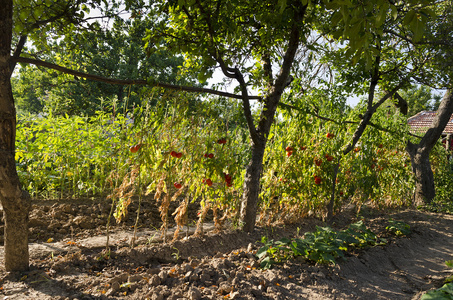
[[16, 203], [424, 178], [252, 186], [419, 153]]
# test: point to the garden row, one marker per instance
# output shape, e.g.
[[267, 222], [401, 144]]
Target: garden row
[[178, 151]]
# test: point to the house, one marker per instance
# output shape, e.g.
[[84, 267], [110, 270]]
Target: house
[[422, 121]]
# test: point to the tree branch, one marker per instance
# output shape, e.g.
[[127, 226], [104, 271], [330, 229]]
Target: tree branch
[[318, 116], [20, 45], [128, 81]]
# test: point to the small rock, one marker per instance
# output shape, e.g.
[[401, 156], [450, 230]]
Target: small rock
[[66, 208], [154, 271], [250, 247], [224, 288], [114, 287], [83, 222], [163, 275], [234, 295], [204, 277], [155, 280], [157, 296], [194, 262], [135, 278], [257, 292], [187, 268], [194, 294], [119, 279], [54, 225]]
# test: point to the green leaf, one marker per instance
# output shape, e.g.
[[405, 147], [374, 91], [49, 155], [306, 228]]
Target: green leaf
[[262, 251], [409, 17], [449, 263], [394, 11]]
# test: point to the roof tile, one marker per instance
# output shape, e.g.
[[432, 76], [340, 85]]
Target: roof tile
[[422, 121]]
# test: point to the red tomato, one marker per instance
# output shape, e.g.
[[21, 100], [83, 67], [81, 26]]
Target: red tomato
[[318, 180], [303, 148], [289, 149], [173, 153], [135, 148], [178, 155], [210, 155], [209, 182], [329, 158], [318, 162], [289, 153], [177, 185], [330, 135]]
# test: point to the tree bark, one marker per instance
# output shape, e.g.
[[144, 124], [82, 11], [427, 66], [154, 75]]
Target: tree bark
[[419, 153], [252, 179], [16, 203], [259, 135]]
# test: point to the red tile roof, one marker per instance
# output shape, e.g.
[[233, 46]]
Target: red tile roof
[[422, 121]]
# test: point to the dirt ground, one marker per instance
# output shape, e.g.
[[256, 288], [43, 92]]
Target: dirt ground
[[68, 259]]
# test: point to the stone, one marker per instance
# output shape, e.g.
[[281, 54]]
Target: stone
[[119, 279], [194, 294], [163, 275], [155, 280]]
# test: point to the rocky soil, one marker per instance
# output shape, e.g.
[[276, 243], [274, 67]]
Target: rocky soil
[[69, 259]]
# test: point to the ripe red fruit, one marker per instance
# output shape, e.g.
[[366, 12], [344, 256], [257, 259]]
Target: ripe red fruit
[[173, 153], [228, 179], [222, 141], [289, 149], [329, 158], [135, 148], [289, 153], [210, 155], [380, 146], [341, 193], [178, 155], [177, 185], [208, 182], [318, 180], [303, 148], [357, 149], [318, 162], [330, 135]]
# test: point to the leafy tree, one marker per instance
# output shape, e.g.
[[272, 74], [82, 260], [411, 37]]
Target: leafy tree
[[438, 40], [113, 52], [248, 41], [42, 21], [36, 19], [420, 98]]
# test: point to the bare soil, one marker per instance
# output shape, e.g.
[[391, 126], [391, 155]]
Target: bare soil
[[69, 261]]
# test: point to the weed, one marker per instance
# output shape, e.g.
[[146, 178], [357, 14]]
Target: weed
[[398, 228], [176, 254], [325, 245]]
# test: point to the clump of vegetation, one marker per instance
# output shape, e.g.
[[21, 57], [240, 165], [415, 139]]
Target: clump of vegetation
[[445, 292], [324, 245]]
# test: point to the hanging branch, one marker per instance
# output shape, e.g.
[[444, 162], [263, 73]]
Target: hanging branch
[[192, 89]]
